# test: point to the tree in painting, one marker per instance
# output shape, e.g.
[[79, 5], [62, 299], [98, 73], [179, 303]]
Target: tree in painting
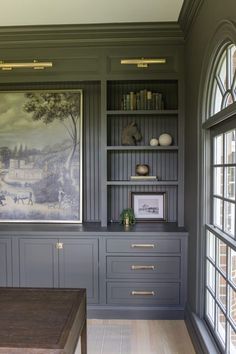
[[63, 106]]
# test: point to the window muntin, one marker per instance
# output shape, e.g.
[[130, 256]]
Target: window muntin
[[224, 180], [223, 89], [220, 299], [220, 265]]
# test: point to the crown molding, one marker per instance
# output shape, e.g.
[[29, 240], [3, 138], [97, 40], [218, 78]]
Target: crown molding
[[188, 14], [94, 34]]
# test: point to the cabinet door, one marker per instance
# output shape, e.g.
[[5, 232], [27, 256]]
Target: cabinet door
[[38, 263], [5, 263], [78, 266]]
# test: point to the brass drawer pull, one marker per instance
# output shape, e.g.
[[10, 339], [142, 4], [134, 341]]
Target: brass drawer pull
[[59, 245], [143, 245], [143, 293], [146, 267]]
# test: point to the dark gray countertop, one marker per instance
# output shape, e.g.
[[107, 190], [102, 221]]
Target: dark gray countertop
[[89, 228]]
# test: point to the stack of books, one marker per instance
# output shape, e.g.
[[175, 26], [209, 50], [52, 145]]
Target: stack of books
[[142, 100]]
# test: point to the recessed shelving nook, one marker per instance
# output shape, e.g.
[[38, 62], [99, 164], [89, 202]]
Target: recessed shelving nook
[[153, 105]]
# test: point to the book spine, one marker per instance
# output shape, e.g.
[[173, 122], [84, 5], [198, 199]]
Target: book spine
[[124, 103], [145, 99], [128, 102], [132, 101], [142, 99], [138, 103], [149, 100]]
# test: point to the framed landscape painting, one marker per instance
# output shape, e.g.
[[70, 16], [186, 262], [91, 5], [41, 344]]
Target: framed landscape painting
[[149, 206], [41, 156]]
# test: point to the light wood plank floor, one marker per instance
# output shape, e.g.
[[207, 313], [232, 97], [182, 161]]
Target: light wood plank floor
[[138, 337]]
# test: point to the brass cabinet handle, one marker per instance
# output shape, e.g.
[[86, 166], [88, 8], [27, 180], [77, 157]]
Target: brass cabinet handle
[[143, 245], [59, 245], [146, 267], [145, 293]]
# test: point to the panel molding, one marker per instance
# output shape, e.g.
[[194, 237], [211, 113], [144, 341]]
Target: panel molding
[[93, 34], [188, 14]]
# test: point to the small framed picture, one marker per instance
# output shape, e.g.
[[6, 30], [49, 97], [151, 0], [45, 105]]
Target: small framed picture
[[149, 206]]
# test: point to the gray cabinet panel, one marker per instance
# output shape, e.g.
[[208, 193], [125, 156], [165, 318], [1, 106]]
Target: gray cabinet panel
[[109, 265], [38, 263], [143, 293], [5, 262], [78, 266], [146, 245], [155, 268]]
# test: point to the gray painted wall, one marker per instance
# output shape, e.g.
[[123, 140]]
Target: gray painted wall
[[199, 37]]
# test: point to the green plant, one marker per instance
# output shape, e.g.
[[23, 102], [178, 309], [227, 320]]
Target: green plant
[[127, 214]]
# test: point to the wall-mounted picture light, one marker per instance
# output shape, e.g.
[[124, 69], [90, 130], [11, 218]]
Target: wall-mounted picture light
[[32, 65], [143, 63]]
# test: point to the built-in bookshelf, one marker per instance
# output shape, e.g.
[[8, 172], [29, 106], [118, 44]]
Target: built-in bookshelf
[[154, 114]]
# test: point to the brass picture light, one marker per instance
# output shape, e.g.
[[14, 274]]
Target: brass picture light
[[143, 63], [31, 65]]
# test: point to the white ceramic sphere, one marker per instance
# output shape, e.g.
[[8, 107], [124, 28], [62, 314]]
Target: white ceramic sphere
[[165, 139], [154, 142]]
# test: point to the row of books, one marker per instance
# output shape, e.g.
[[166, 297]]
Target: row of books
[[142, 100]]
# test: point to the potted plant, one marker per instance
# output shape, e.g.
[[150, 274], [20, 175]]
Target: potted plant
[[127, 216]]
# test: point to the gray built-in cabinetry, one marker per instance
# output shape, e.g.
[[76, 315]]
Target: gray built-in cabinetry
[[5, 262], [139, 272], [65, 263]]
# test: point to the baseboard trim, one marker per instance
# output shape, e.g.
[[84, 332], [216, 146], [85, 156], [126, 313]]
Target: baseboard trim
[[200, 335], [121, 312]]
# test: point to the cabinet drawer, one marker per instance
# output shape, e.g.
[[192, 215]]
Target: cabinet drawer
[[143, 267], [143, 293], [143, 246]]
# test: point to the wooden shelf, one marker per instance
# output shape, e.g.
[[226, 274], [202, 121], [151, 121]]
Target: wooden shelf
[[143, 112], [141, 147], [142, 183]]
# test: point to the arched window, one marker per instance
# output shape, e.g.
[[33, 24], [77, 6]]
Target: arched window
[[223, 85], [220, 262]]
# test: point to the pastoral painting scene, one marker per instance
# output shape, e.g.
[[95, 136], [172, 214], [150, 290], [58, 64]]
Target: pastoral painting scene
[[40, 156]]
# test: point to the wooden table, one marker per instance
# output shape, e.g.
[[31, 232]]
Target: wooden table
[[42, 321]]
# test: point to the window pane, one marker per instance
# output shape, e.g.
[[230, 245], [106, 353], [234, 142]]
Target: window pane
[[217, 99], [218, 212], [218, 150], [230, 147], [232, 341], [229, 100], [210, 276], [210, 245], [233, 61], [220, 324], [232, 302], [229, 216], [230, 182], [218, 181], [221, 289], [210, 307], [222, 256], [233, 266], [222, 72]]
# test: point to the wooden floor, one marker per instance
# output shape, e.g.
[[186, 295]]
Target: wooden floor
[[138, 337]]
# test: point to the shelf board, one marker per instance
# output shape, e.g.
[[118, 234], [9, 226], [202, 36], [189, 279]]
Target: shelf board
[[142, 183], [143, 112], [141, 147]]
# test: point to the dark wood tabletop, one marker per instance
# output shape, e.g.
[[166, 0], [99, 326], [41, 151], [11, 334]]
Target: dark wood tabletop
[[42, 320]]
